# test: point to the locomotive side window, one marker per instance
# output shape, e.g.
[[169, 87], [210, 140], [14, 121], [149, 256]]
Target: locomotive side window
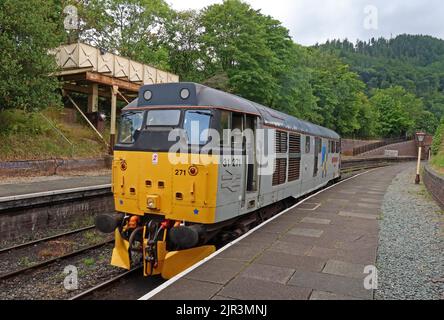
[[225, 126], [307, 144], [196, 125], [130, 125], [317, 151]]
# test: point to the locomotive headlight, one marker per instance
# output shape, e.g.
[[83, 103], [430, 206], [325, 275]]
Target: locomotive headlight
[[185, 94], [153, 202], [148, 95]]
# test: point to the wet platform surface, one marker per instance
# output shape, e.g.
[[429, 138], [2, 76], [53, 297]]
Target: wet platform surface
[[317, 250], [53, 183]]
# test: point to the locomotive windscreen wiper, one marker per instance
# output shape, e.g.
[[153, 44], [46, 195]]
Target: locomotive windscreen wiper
[[202, 113]]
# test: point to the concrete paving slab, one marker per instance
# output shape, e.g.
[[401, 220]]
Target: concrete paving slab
[[345, 269], [322, 295], [268, 273], [304, 263], [241, 252], [358, 215], [305, 232], [290, 248], [331, 283], [315, 220], [219, 271], [246, 289], [186, 289], [368, 206]]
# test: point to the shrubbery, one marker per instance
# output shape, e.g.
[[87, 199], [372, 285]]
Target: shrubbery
[[438, 138]]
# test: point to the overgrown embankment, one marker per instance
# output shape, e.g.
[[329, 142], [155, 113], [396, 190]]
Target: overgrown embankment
[[438, 149], [51, 133]]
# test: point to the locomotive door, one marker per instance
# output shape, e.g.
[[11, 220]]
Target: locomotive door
[[250, 185], [317, 150]]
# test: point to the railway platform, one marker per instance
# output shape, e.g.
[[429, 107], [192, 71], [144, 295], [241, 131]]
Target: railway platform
[[53, 184], [317, 250]]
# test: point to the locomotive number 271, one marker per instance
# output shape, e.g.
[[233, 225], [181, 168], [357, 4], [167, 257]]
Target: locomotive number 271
[[181, 173]]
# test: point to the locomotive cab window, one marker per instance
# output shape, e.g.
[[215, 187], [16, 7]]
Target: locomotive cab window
[[163, 118], [197, 125], [130, 126]]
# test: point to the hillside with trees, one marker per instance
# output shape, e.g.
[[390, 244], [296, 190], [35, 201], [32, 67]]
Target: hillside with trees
[[381, 88], [413, 62]]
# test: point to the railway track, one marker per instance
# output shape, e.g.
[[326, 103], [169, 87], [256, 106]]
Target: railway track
[[38, 241], [8, 255], [104, 285]]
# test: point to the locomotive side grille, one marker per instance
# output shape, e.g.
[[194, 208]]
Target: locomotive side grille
[[280, 172], [295, 143], [281, 142], [294, 169]]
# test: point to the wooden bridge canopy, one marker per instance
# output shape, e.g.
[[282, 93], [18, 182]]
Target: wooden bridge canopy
[[96, 73]]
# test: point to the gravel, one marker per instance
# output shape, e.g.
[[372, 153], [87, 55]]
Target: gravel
[[48, 283], [410, 255], [17, 259]]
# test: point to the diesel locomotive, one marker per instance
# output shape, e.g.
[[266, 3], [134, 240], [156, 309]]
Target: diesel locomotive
[[194, 165]]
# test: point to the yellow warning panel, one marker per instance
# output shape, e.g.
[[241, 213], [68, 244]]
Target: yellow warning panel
[[121, 256], [178, 261]]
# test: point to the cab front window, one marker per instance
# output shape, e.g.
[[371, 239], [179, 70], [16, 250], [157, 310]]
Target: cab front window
[[196, 125], [130, 126]]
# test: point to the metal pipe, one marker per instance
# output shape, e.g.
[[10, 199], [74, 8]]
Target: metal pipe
[[86, 118]]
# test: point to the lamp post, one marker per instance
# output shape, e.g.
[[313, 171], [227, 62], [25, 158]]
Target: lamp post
[[420, 136]]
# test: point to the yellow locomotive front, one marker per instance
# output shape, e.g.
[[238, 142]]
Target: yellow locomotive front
[[164, 186]]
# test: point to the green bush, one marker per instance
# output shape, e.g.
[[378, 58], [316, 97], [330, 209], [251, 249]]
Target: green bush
[[438, 138], [15, 121]]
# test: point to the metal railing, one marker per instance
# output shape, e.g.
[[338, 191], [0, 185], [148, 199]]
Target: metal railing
[[376, 145]]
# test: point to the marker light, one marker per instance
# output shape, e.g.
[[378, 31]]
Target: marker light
[[185, 94]]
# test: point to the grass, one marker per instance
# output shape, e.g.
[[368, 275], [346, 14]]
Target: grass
[[30, 136], [438, 161], [89, 262], [25, 262]]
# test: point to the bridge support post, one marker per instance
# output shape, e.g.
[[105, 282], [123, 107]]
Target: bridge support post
[[112, 138], [93, 98]]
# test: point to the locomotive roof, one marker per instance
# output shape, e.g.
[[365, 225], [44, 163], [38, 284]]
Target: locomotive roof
[[199, 95]]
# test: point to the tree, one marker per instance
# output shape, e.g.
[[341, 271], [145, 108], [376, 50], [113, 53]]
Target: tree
[[28, 30], [131, 28], [234, 42], [393, 105], [182, 38], [339, 93]]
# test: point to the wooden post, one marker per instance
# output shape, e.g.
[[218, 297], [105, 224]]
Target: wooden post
[[93, 98], [112, 139]]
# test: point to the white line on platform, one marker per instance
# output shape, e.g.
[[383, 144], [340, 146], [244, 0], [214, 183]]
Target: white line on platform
[[165, 285], [53, 192]]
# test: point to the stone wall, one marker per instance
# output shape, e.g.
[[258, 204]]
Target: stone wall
[[24, 221], [405, 149], [434, 183], [347, 145]]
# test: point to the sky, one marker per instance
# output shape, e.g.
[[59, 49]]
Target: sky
[[316, 21]]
